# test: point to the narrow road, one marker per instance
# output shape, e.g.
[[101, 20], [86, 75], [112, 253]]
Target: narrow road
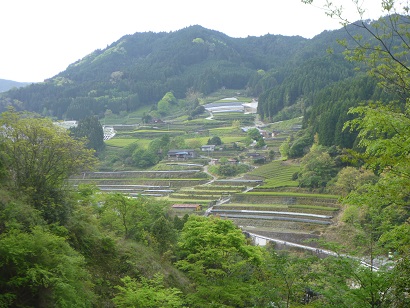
[[318, 251], [210, 174]]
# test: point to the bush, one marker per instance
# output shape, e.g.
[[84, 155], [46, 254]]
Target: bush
[[231, 170]]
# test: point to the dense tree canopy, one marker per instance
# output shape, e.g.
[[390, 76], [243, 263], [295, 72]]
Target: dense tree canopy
[[39, 156], [215, 254], [42, 271], [91, 129]]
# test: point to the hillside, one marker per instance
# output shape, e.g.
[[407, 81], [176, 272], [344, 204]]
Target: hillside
[[290, 77], [137, 70]]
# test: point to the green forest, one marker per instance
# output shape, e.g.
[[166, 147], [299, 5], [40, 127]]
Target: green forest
[[91, 222]]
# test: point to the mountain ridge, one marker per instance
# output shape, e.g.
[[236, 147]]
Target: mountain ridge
[[6, 84], [285, 73], [139, 69]]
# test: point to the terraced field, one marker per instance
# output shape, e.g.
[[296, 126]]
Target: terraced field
[[206, 194], [273, 207], [151, 183], [288, 217], [276, 174], [266, 201]]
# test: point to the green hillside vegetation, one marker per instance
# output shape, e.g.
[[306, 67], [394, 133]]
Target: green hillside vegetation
[[121, 142]]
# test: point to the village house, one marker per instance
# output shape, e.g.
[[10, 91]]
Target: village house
[[208, 148], [182, 154]]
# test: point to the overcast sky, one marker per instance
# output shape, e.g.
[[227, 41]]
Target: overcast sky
[[40, 38]]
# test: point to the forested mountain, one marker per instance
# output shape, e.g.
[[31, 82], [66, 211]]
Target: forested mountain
[[291, 76], [6, 85], [139, 69]]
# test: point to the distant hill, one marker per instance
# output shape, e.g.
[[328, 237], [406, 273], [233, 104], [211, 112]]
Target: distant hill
[[6, 85], [291, 76], [138, 69]]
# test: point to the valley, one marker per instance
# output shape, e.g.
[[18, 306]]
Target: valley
[[264, 200]]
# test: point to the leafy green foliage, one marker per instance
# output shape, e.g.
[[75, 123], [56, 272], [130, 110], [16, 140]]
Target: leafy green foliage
[[317, 168], [41, 269], [215, 140], [288, 277], [227, 170], [40, 157], [214, 253], [147, 293], [135, 155], [299, 144], [165, 104], [131, 217], [254, 134], [351, 179], [345, 282]]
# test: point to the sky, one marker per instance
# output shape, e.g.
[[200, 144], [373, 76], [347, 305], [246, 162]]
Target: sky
[[41, 38]]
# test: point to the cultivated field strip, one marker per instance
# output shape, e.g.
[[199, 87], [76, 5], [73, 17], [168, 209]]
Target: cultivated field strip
[[266, 217], [136, 174], [285, 198], [280, 213], [149, 183], [211, 193], [238, 182]]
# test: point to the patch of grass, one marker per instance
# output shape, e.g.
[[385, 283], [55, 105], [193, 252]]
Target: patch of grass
[[123, 142], [246, 205], [176, 200], [282, 206], [313, 207], [224, 129], [225, 140], [129, 118], [224, 93], [202, 121], [215, 192], [277, 182], [157, 131], [220, 187], [285, 125]]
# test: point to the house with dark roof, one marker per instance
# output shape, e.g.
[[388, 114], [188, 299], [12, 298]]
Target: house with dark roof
[[182, 154]]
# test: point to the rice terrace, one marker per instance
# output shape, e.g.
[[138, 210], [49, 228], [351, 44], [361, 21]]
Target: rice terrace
[[262, 198]]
